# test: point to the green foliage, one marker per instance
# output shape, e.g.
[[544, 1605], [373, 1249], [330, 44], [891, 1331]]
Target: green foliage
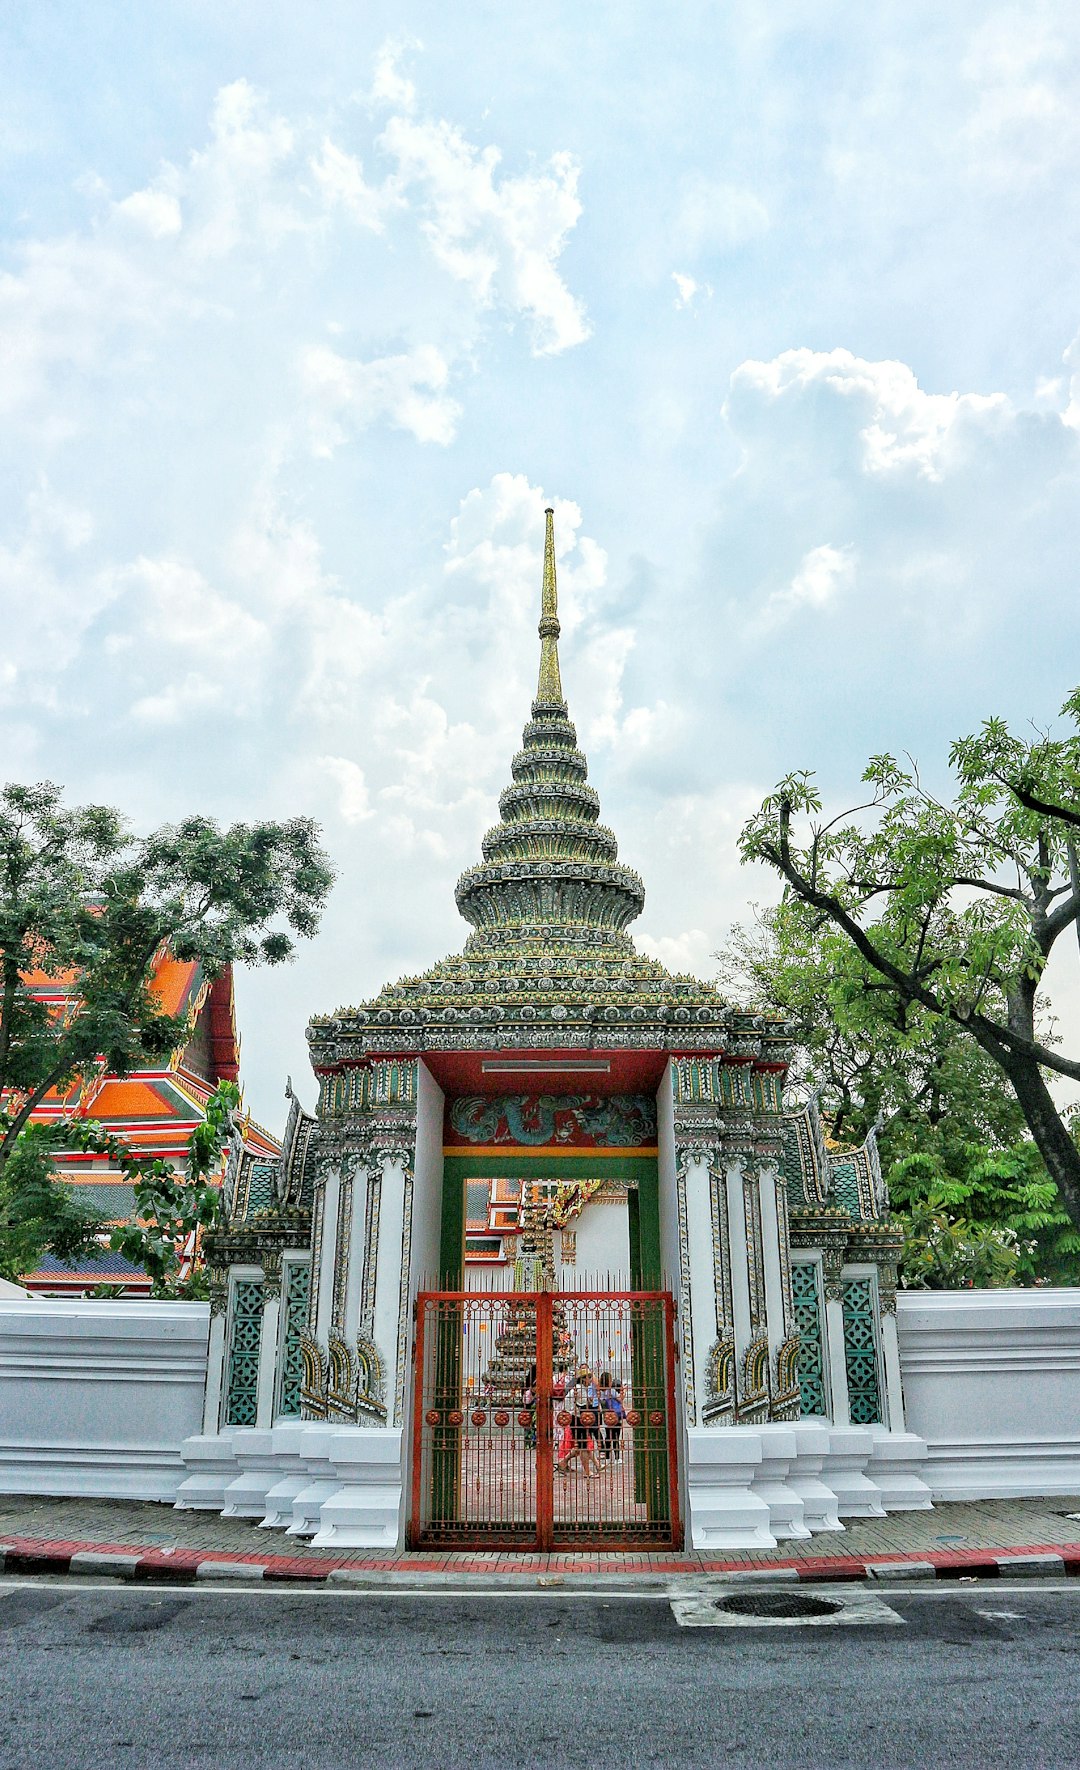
[[951, 909], [91, 905], [170, 1208], [914, 1075], [37, 1215], [999, 1192], [944, 1252], [973, 1194], [80, 895]]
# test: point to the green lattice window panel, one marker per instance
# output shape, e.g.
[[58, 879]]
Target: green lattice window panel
[[292, 1361], [806, 1294], [861, 1352], [244, 1343]]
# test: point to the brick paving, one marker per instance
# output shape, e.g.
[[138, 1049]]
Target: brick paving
[[155, 1541]]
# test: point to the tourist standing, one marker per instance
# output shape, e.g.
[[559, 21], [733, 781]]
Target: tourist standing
[[614, 1413], [579, 1404]]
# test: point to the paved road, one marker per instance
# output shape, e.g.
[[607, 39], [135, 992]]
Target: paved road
[[100, 1677]]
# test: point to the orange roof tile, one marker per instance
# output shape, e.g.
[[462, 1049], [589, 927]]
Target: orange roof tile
[[174, 983], [133, 1100]]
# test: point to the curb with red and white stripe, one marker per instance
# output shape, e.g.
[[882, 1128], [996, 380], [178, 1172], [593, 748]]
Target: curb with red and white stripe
[[35, 1555]]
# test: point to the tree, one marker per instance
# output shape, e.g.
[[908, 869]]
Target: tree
[[923, 1083], [37, 1214], [971, 1190], [86, 903], [952, 907], [1002, 1195]]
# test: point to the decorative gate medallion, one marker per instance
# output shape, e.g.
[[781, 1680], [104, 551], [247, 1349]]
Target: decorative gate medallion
[[501, 1457]]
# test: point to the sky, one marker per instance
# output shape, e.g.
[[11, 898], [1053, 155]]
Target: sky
[[307, 311]]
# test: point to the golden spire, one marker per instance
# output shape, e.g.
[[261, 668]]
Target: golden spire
[[549, 687]]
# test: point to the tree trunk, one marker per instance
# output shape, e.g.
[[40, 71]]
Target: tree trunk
[[1045, 1123]]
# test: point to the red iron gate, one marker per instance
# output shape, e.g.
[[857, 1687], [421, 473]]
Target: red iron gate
[[500, 1460]]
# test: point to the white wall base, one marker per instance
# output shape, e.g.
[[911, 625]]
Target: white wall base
[[771, 1482], [245, 1496], [1004, 1471], [897, 1468], [723, 1511], [291, 1472], [366, 1510], [211, 1466], [844, 1471], [805, 1477]]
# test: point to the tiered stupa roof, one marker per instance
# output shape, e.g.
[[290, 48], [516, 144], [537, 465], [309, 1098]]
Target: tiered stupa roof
[[549, 962], [550, 867]]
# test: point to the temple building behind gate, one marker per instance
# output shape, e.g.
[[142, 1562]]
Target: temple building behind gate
[[547, 1154]]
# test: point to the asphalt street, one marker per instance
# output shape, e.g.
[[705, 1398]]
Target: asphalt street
[[104, 1675]]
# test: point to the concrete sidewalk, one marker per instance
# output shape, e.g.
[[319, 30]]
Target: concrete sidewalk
[[142, 1540]]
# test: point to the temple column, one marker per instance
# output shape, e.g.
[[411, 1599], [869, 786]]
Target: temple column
[[215, 1353], [836, 1356], [268, 1342], [324, 1245]]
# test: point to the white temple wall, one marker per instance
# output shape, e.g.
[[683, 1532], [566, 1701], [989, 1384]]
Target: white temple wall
[[665, 1165], [777, 1306], [428, 1182], [740, 1270], [97, 1398], [322, 1277], [992, 1384], [601, 1248], [388, 1274]]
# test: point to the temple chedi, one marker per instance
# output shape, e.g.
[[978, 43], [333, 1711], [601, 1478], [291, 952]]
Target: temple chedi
[[548, 1153]]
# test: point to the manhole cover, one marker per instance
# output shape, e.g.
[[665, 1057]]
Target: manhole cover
[[779, 1604]]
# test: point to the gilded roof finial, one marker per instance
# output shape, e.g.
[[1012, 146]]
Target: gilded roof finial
[[549, 687]]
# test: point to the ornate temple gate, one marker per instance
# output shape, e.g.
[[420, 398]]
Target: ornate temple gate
[[485, 1462]]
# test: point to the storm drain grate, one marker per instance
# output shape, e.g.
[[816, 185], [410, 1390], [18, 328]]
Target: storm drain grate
[[778, 1604], [768, 1608]]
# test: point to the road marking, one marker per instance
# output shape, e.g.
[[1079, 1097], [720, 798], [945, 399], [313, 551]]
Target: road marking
[[707, 1589]]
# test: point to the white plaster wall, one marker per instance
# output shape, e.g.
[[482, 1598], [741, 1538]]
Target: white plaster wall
[[992, 1383], [427, 1181], [97, 1398], [603, 1249], [669, 1207]]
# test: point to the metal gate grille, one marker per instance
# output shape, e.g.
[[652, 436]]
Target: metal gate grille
[[501, 1459]]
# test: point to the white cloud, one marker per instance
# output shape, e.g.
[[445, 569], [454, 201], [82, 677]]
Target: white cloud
[[48, 604], [196, 259], [354, 800], [900, 427], [1022, 76], [409, 390], [178, 610], [825, 572], [158, 211], [685, 288], [340, 177], [179, 700], [500, 236], [690, 951], [389, 86]]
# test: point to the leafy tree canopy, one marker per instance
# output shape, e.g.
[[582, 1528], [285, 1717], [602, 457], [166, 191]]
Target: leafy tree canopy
[[951, 907], [971, 1190], [86, 902]]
